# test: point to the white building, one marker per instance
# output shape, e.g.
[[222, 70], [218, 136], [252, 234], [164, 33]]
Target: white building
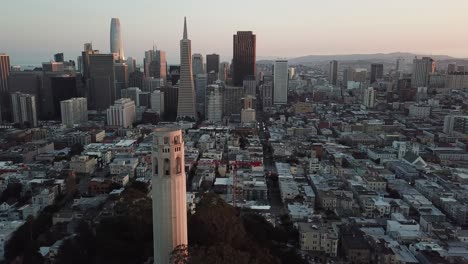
[[74, 111], [157, 102], [214, 103], [168, 192], [369, 97], [419, 111], [280, 82], [122, 113], [248, 116], [24, 109]]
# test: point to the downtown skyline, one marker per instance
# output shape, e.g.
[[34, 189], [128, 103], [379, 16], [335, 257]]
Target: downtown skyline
[[309, 27]]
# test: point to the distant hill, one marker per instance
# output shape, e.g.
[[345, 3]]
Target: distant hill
[[377, 57]]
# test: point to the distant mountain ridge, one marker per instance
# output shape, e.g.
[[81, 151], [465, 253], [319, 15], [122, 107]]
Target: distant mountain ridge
[[374, 57]]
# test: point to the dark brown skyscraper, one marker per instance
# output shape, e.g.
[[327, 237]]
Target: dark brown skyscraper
[[376, 72], [212, 63], [243, 58], [4, 97]]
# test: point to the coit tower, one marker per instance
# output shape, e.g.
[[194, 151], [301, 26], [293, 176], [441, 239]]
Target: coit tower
[[116, 45], [168, 192]]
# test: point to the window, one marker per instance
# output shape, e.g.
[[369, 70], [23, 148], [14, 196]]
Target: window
[[178, 165], [155, 166], [177, 140], [167, 167], [166, 140]]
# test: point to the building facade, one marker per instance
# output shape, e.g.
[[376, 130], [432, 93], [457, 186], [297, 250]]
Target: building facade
[[169, 193], [122, 113], [186, 104], [24, 109], [116, 45], [243, 58], [280, 82], [333, 72], [74, 111]]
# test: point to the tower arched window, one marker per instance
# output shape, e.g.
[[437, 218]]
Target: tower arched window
[[155, 166], [178, 165], [167, 167]]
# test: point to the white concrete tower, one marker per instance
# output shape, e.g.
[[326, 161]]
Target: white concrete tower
[[169, 193]]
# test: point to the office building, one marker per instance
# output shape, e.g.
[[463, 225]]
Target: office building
[[24, 109], [132, 93], [74, 111], [122, 113], [131, 63], [56, 87], [422, 68], [266, 90], [333, 72], [157, 102], [376, 72], [85, 54], [198, 66], [200, 87], [121, 78], [214, 103], [171, 99], [5, 112], [135, 79], [280, 82], [186, 105], [168, 192], [223, 71], [400, 65], [250, 86], [232, 101], [456, 124], [102, 81], [369, 97], [451, 68], [116, 45], [155, 64], [212, 63], [58, 57], [243, 58], [144, 100], [248, 116]]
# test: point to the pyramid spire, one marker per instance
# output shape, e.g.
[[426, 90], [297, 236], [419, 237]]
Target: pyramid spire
[[185, 28]]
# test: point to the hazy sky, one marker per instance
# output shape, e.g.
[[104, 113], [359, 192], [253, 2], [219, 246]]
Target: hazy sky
[[31, 31]]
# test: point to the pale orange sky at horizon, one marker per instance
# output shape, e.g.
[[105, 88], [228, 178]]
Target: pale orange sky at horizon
[[32, 31]]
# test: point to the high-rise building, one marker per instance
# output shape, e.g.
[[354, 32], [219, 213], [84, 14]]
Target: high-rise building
[[243, 58], [24, 109], [116, 45], [376, 72], [200, 86], [223, 71], [131, 63], [197, 64], [214, 103], [280, 82], [157, 102], [133, 93], [122, 113], [451, 68], [348, 75], [58, 57], [250, 86], [174, 72], [400, 65], [4, 98], [456, 124], [168, 192], [102, 81], [121, 78], [333, 72], [55, 87], [53, 66], [291, 72], [87, 52], [232, 97], [460, 68], [266, 90], [212, 63], [155, 64], [171, 99], [422, 68], [186, 105], [135, 79], [74, 111], [369, 97]]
